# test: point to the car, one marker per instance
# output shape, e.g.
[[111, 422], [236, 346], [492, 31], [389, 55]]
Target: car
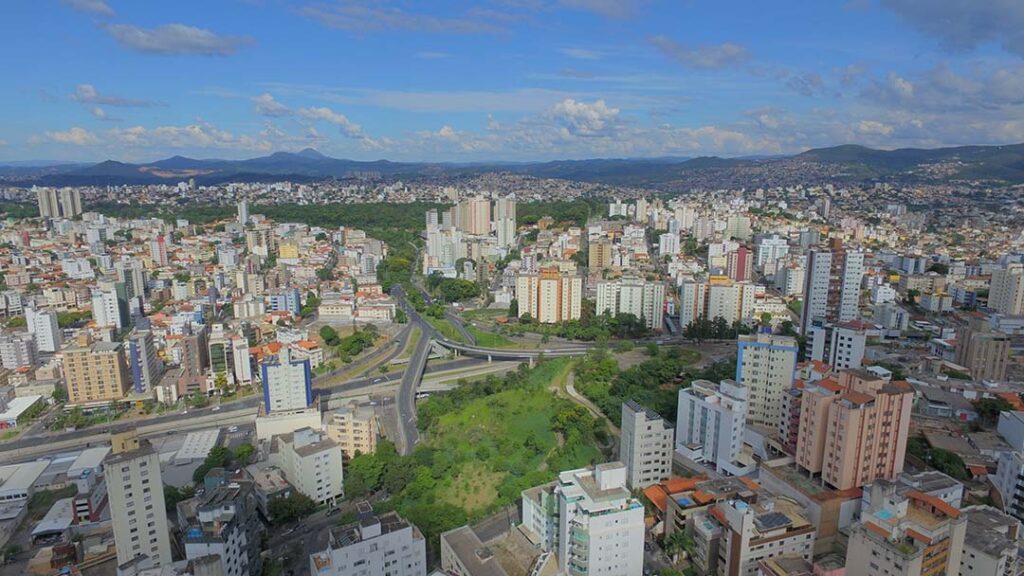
[[216, 408], [333, 511], [233, 429]]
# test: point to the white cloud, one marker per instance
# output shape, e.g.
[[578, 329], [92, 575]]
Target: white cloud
[[707, 56], [583, 119], [966, 24], [192, 136], [92, 6], [362, 17], [873, 127], [76, 136], [582, 53], [268, 106], [176, 40], [346, 126], [88, 94]]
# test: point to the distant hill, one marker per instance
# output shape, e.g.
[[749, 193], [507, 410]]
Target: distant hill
[[849, 163]]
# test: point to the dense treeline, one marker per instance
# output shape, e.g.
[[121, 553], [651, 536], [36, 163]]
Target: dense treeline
[[574, 212], [590, 327]]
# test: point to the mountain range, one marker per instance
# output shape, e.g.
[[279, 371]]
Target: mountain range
[[846, 163]]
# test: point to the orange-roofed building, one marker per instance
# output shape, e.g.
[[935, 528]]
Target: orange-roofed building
[[906, 533], [853, 429], [695, 495]]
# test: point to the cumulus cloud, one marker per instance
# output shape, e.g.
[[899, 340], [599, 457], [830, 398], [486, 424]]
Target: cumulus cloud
[[75, 136], [176, 40], [806, 83], [346, 126], [192, 136], [583, 119], [708, 56], [88, 94], [356, 16], [965, 24], [91, 6]]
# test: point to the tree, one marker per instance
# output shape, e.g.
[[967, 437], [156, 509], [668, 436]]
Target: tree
[[60, 393], [173, 495], [329, 335], [220, 381], [988, 409], [244, 454], [939, 268], [401, 317], [513, 308], [290, 509]]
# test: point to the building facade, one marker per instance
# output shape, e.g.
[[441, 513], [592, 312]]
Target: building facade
[[645, 446]]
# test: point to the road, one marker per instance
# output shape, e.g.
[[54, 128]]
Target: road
[[408, 434]]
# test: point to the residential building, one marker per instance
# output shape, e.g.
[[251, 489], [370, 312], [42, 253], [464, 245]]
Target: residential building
[[711, 419], [224, 522], [354, 428], [992, 543], [840, 345], [645, 300], [311, 462], [853, 428], [549, 296], [49, 206], [599, 254], [385, 544], [734, 536], [287, 382], [1008, 482], [146, 366], [740, 265], [17, 349], [136, 498], [42, 324], [70, 202], [769, 250], [242, 361], [765, 365], [983, 351], [1006, 289], [910, 534], [243, 212], [832, 280], [505, 221], [645, 446], [95, 372], [719, 297]]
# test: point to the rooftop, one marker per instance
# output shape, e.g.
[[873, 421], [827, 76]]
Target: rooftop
[[990, 531], [479, 560]]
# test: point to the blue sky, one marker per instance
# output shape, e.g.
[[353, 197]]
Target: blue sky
[[504, 79]]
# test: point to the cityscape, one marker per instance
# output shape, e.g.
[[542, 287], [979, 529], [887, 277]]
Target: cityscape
[[693, 304]]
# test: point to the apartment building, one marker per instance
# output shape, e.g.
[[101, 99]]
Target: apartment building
[[983, 351], [645, 446], [42, 324], [719, 297], [645, 300], [95, 372], [354, 428], [1006, 289], [732, 537], [550, 296], [710, 422], [311, 462], [832, 280], [765, 365], [225, 523], [287, 382], [911, 534], [385, 544], [588, 520], [853, 428], [599, 254], [135, 494], [992, 543]]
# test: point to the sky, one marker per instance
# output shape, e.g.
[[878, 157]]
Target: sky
[[515, 80]]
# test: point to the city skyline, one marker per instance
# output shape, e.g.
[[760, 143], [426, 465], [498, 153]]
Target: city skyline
[[522, 80]]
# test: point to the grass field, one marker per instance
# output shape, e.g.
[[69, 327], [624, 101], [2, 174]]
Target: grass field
[[447, 329], [489, 339], [485, 314]]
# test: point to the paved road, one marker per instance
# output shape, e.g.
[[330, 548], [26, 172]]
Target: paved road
[[410, 382]]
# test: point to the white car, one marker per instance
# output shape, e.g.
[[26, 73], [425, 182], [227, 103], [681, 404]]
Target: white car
[[233, 429], [216, 408]]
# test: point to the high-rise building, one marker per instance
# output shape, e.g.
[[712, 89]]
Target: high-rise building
[[354, 428], [599, 254], [645, 447], [49, 205], [95, 372], [243, 212], [719, 297], [765, 365], [1006, 289], [133, 275], [146, 366], [387, 544], [225, 523], [593, 524], [832, 280], [473, 216], [110, 305], [17, 349], [853, 429], [841, 346], [505, 221], [632, 295], [769, 250], [550, 296], [285, 300], [70, 203], [738, 227], [158, 251], [136, 495], [242, 361], [740, 265], [311, 462], [710, 422], [906, 534], [287, 383], [192, 362], [42, 324], [983, 351]]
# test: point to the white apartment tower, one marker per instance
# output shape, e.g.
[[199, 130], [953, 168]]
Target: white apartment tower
[[505, 221], [634, 296], [1006, 290], [645, 447], [136, 495], [765, 365], [42, 324], [710, 422]]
